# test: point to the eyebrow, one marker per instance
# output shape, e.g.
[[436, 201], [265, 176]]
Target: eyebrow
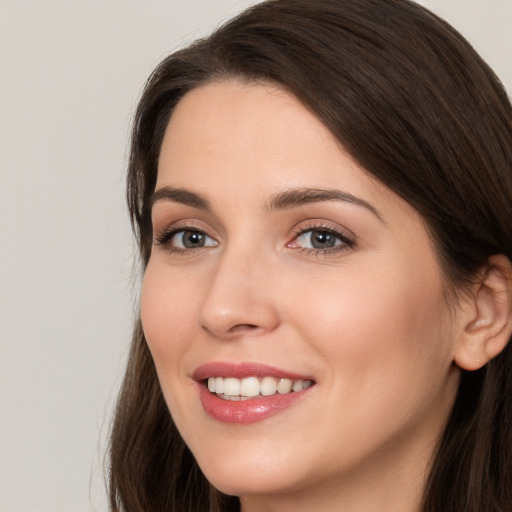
[[179, 195], [283, 200], [302, 196]]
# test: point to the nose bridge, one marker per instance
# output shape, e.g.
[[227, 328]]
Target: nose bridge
[[238, 297]]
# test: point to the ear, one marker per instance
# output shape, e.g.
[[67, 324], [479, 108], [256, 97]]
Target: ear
[[487, 322]]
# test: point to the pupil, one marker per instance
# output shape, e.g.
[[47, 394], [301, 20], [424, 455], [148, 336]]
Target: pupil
[[322, 240], [193, 239]]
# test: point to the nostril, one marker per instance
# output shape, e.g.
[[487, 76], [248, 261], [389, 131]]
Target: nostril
[[235, 330], [240, 328]]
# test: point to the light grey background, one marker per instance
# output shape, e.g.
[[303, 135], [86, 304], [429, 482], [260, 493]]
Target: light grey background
[[70, 75]]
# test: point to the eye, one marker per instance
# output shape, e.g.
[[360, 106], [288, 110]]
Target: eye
[[180, 239], [189, 239], [316, 239], [321, 240]]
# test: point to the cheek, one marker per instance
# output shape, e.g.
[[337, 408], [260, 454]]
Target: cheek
[[166, 315], [167, 309], [386, 341], [376, 323]]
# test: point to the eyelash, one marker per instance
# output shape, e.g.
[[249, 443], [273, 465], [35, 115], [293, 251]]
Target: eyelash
[[164, 239], [346, 242]]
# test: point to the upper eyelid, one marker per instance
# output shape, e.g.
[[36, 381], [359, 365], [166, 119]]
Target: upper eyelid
[[324, 225], [166, 213], [180, 225], [163, 236]]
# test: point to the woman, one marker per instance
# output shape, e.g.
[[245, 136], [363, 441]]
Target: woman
[[322, 194]]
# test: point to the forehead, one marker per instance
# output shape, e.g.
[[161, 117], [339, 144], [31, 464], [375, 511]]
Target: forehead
[[249, 115], [234, 128], [256, 140]]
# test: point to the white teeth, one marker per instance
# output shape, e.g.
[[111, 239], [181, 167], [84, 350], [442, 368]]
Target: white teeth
[[284, 386], [268, 386], [232, 389], [231, 386], [297, 385], [250, 387]]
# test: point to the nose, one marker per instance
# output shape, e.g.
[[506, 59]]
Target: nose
[[239, 300]]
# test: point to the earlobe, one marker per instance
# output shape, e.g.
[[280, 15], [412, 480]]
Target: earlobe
[[488, 316]]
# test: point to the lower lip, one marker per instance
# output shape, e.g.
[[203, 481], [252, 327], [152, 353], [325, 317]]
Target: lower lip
[[246, 411]]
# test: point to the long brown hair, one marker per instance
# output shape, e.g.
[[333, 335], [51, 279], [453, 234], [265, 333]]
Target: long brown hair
[[413, 103]]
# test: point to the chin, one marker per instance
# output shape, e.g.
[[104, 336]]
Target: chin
[[245, 470], [255, 482]]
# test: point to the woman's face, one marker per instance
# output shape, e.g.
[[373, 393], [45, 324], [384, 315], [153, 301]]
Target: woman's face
[[279, 262]]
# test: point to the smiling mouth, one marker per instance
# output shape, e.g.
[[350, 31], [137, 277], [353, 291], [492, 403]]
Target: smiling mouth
[[230, 388]]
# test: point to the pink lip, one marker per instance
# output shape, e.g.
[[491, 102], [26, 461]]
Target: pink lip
[[244, 411], [242, 370]]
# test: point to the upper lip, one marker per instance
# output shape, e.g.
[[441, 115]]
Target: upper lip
[[242, 370]]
